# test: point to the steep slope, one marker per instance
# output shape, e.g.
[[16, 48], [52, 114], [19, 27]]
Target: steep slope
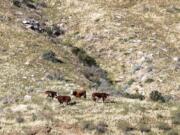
[[131, 45]]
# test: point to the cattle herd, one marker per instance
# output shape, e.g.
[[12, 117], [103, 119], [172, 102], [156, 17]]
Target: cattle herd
[[76, 93]]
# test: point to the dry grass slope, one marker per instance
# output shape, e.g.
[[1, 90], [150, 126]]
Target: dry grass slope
[[136, 41]]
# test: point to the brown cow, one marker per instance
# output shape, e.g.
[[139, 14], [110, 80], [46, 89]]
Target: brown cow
[[99, 95], [51, 94], [63, 99], [79, 93]]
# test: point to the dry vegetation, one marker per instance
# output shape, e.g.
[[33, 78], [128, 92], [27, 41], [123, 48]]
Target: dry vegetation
[[132, 44]]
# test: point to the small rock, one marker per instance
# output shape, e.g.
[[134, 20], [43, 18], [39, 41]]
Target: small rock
[[147, 78], [27, 98], [101, 127], [149, 69], [51, 56], [20, 108], [176, 59], [7, 100], [34, 25], [136, 67]]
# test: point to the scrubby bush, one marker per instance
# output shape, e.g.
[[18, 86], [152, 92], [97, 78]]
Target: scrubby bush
[[173, 132], [56, 75], [101, 128], [20, 119], [84, 57], [88, 125], [51, 56], [124, 126], [130, 82], [176, 117], [54, 31], [134, 96], [144, 128], [156, 96], [163, 126]]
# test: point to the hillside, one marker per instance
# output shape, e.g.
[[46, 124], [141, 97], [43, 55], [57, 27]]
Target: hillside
[[127, 48]]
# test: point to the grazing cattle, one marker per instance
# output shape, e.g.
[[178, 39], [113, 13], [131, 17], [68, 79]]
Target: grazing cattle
[[51, 94], [63, 99], [98, 95], [79, 93]]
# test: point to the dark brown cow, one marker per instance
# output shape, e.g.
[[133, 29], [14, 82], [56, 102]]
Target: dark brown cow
[[79, 93], [98, 95], [63, 99], [51, 94]]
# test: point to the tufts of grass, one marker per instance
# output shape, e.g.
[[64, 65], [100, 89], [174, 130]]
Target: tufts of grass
[[144, 128], [101, 128], [173, 132], [163, 126], [88, 125], [176, 117], [134, 96], [20, 119], [124, 126], [51, 56], [130, 82]]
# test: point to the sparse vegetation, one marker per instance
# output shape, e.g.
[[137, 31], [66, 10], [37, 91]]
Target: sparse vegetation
[[134, 96], [124, 126], [144, 128], [134, 44]]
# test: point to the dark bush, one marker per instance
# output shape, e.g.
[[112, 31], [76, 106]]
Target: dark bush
[[17, 3], [156, 96], [134, 96], [28, 3], [54, 31], [84, 57], [51, 56], [19, 119]]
